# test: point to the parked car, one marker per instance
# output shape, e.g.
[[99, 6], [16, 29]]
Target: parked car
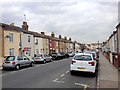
[[71, 54], [17, 62], [57, 56], [94, 54], [83, 62], [42, 58], [65, 55]]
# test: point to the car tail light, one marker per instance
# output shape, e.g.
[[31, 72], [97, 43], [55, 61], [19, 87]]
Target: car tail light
[[92, 63], [13, 62], [73, 61]]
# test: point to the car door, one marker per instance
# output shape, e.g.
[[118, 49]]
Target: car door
[[47, 57], [26, 60], [21, 61]]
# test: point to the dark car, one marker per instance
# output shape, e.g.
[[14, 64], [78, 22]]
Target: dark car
[[65, 55], [57, 56]]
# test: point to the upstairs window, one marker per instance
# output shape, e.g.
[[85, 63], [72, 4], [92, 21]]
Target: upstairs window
[[11, 37], [29, 38], [36, 42]]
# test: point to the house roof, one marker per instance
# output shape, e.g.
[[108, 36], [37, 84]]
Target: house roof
[[118, 25], [35, 34]]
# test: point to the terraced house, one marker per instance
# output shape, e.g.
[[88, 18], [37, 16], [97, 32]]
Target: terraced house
[[111, 47], [10, 39], [20, 41], [1, 45]]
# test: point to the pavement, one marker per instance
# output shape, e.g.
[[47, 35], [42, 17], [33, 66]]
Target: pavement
[[1, 63], [107, 74]]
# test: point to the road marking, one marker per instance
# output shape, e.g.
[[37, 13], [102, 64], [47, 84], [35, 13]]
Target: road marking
[[67, 72], [55, 80], [62, 75], [84, 85]]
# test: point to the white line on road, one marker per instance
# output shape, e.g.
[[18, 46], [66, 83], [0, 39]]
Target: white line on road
[[84, 85], [67, 72], [62, 75], [55, 80]]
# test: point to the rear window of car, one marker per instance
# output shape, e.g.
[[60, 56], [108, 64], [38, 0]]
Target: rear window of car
[[83, 57], [10, 58]]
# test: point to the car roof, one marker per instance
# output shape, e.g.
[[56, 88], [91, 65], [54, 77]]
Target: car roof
[[83, 54]]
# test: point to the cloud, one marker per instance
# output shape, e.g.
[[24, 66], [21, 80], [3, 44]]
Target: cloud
[[85, 21]]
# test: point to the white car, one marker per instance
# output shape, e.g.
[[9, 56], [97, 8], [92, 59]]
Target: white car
[[83, 62]]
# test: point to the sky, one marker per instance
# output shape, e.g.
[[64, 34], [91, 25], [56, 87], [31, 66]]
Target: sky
[[84, 21]]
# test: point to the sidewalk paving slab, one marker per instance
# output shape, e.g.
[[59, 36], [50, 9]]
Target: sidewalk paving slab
[[108, 74]]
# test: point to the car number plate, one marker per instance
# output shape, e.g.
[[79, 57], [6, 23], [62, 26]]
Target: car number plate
[[82, 68]]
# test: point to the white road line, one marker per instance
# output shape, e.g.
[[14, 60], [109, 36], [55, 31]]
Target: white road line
[[55, 80], [62, 75], [67, 72], [84, 85], [59, 81]]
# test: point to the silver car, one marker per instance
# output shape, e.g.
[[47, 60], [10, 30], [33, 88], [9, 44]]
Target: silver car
[[17, 62], [42, 58]]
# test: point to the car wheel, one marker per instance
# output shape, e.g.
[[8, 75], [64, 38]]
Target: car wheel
[[32, 64], [71, 72], [51, 60], [17, 67], [94, 74], [44, 61], [4, 68]]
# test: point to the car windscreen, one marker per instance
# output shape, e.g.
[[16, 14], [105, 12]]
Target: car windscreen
[[83, 57], [10, 58]]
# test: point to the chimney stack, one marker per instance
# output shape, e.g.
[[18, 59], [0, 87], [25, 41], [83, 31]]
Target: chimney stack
[[70, 39], [52, 34], [25, 26], [43, 33], [65, 38], [12, 24], [60, 36]]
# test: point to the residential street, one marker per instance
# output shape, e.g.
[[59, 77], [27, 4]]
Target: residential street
[[50, 75]]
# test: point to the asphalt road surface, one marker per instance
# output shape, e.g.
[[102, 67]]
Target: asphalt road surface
[[50, 75]]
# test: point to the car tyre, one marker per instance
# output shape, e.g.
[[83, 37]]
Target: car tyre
[[44, 61], [51, 60], [17, 67], [31, 64], [94, 74], [72, 72], [4, 69]]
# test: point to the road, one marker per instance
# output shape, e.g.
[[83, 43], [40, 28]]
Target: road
[[50, 75]]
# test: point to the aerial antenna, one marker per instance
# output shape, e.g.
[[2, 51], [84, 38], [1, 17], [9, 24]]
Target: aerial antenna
[[24, 17]]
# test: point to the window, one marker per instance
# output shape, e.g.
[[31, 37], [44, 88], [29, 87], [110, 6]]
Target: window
[[28, 38], [83, 57], [20, 58], [11, 52], [10, 58], [11, 37], [25, 58], [29, 52], [36, 42], [37, 51]]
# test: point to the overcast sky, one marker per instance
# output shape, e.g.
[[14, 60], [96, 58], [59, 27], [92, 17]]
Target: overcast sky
[[86, 21]]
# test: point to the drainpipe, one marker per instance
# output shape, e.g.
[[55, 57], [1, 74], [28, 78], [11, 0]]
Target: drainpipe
[[3, 52]]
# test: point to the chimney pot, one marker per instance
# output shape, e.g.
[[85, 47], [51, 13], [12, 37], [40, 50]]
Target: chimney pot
[[43, 33], [52, 34]]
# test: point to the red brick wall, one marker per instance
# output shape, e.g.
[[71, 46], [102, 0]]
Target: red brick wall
[[107, 55], [119, 60]]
